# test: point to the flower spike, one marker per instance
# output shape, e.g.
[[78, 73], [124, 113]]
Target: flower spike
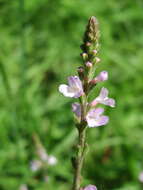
[[87, 114]]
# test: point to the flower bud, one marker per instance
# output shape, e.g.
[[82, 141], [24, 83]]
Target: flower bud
[[88, 64], [80, 71], [97, 59], [88, 44], [84, 56], [94, 51], [93, 82], [102, 76]]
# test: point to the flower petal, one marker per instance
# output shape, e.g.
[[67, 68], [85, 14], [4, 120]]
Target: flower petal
[[75, 82], [95, 118], [103, 99], [102, 120], [95, 112], [109, 102], [76, 108], [64, 89], [103, 93]]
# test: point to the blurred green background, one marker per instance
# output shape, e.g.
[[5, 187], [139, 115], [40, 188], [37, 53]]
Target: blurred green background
[[39, 48]]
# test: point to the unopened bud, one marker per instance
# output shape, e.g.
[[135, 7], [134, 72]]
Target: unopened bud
[[84, 56], [94, 51], [102, 76], [93, 82], [88, 44], [97, 59], [88, 64], [80, 71]]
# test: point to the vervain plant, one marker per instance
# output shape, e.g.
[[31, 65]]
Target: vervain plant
[[87, 114]]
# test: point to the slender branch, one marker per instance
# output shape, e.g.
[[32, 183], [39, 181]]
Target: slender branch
[[22, 37]]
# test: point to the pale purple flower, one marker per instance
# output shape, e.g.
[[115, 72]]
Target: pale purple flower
[[76, 108], [141, 177], [102, 76], [74, 88], [90, 187], [95, 118], [103, 99]]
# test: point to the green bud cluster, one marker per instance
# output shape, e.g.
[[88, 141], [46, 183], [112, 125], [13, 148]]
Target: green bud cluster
[[90, 39], [89, 48]]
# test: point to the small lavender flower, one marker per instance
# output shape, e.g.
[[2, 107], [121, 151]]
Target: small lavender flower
[[87, 114], [74, 88], [103, 99], [90, 187], [95, 118]]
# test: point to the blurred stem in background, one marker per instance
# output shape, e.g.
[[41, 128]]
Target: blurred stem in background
[[5, 81], [23, 60], [23, 105]]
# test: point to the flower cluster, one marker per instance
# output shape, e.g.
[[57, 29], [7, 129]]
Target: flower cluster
[[43, 158], [81, 85]]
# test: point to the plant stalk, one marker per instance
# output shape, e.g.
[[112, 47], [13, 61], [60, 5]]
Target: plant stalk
[[80, 158]]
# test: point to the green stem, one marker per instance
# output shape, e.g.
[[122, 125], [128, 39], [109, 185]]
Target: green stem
[[80, 158]]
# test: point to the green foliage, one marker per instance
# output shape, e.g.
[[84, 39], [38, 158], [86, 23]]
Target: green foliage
[[39, 45]]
